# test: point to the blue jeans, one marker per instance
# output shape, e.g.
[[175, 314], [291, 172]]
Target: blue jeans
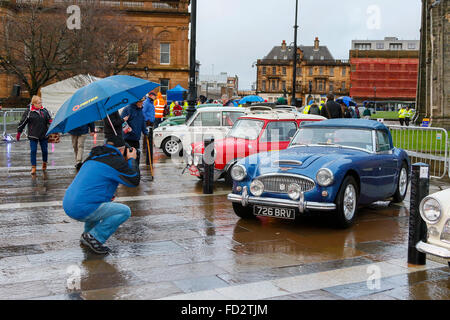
[[104, 221], [44, 149]]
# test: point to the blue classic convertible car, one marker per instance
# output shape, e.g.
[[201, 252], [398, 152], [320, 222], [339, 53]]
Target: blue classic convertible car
[[332, 165]]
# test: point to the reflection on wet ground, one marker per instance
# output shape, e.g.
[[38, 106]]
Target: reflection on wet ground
[[181, 244]]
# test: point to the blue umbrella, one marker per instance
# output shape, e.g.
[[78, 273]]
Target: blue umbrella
[[99, 99], [251, 99], [347, 100]]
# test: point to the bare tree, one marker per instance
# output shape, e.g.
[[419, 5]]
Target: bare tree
[[37, 46]]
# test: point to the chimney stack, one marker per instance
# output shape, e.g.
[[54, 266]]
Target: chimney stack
[[283, 45], [316, 44]]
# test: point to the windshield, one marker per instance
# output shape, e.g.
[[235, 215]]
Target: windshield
[[246, 129], [355, 138]]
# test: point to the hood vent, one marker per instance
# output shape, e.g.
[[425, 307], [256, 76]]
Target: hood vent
[[288, 162]]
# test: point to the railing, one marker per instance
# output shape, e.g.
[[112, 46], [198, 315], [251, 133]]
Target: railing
[[424, 144], [10, 117]]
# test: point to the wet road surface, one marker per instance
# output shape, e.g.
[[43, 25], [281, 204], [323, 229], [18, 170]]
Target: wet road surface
[[181, 244]]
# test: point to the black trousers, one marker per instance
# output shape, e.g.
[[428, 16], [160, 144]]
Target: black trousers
[[407, 120], [402, 121]]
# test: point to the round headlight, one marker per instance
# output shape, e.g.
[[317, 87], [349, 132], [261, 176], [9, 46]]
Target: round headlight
[[294, 191], [257, 188], [324, 177], [430, 210], [238, 172]]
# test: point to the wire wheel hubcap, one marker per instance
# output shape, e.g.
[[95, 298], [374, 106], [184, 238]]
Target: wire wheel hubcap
[[403, 182], [349, 202]]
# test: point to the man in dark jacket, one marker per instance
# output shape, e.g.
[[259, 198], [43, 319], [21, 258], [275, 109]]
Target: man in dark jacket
[[78, 139], [332, 109], [134, 116], [90, 196]]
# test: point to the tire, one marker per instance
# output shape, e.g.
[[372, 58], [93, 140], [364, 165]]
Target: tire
[[243, 212], [402, 184], [347, 203], [172, 146]]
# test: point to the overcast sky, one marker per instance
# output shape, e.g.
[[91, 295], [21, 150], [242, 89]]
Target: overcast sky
[[232, 34]]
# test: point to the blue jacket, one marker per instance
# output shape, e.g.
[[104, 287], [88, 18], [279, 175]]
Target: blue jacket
[[97, 181], [83, 129], [149, 110], [136, 121]]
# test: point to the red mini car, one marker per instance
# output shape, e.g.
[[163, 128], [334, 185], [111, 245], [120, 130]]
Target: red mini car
[[259, 131]]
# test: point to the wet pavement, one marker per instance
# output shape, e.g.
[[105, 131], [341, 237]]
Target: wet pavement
[[182, 244]]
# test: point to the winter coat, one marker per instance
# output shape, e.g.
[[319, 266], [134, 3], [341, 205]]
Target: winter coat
[[149, 110], [98, 180], [333, 108], [117, 121], [83, 129], [136, 121], [38, 122]]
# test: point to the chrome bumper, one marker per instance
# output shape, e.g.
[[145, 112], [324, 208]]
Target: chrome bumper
[[433, 250], [301, 204]]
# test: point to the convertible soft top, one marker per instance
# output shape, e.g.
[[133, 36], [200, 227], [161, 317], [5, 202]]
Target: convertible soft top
[[348, 123]]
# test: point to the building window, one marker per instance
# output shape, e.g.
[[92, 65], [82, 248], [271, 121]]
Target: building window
[[321, 70], [263, 85], [274, 70], [284, 70], [284, 85], [310, 71], [380, 45], [273, 84], [343, 85], [411, 46], [331, 71], [275, 57], [331, 86], [164, 86], [264, 70], [363, 46], [320, 85], [322, 57], [299, 71], [133, 52], [311, 57], [344, 71], [165, 53], [395, 46]]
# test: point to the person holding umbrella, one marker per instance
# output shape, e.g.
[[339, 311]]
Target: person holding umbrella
[[78, 139], [133, 114], [38, 120]]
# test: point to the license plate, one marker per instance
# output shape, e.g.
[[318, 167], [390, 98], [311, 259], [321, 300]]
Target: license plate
[[283, 213]]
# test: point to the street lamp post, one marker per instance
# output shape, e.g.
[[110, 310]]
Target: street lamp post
[[294, 78], [192, 76]]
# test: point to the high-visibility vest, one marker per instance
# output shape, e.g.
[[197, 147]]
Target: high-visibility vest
[[306, 110], [171, 109], [159, 108], [409, 113], [402, 113]]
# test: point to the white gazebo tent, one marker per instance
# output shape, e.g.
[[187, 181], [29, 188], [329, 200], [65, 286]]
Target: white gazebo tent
[[53, 96]]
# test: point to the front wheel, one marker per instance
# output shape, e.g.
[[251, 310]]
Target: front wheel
[[402, 184], [243, 212], [172, 147], [346, 203]]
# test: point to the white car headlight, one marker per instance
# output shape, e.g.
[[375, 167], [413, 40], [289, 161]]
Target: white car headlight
[[294, 191], [430, 210], [257, 188], [324, 177], [238, 172]]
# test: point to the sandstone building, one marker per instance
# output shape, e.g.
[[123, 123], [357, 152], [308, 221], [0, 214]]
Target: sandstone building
[[166, 23], [318, 73]]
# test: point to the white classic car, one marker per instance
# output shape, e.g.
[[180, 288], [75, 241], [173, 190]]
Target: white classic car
[[435, 211], [206, 122]]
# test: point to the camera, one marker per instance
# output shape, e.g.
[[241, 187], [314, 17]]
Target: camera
[[128, 148]]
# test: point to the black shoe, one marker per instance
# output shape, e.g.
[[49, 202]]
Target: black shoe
[[88, 240], [78, 166]]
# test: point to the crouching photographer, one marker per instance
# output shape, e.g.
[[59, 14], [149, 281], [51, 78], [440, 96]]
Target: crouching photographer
[[89, 197]]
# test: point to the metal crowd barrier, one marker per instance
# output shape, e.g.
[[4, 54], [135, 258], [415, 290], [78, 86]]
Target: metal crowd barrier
[[12, 118], [424, 144]]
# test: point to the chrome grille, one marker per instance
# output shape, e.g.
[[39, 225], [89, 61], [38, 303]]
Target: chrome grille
[[280, 183]]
